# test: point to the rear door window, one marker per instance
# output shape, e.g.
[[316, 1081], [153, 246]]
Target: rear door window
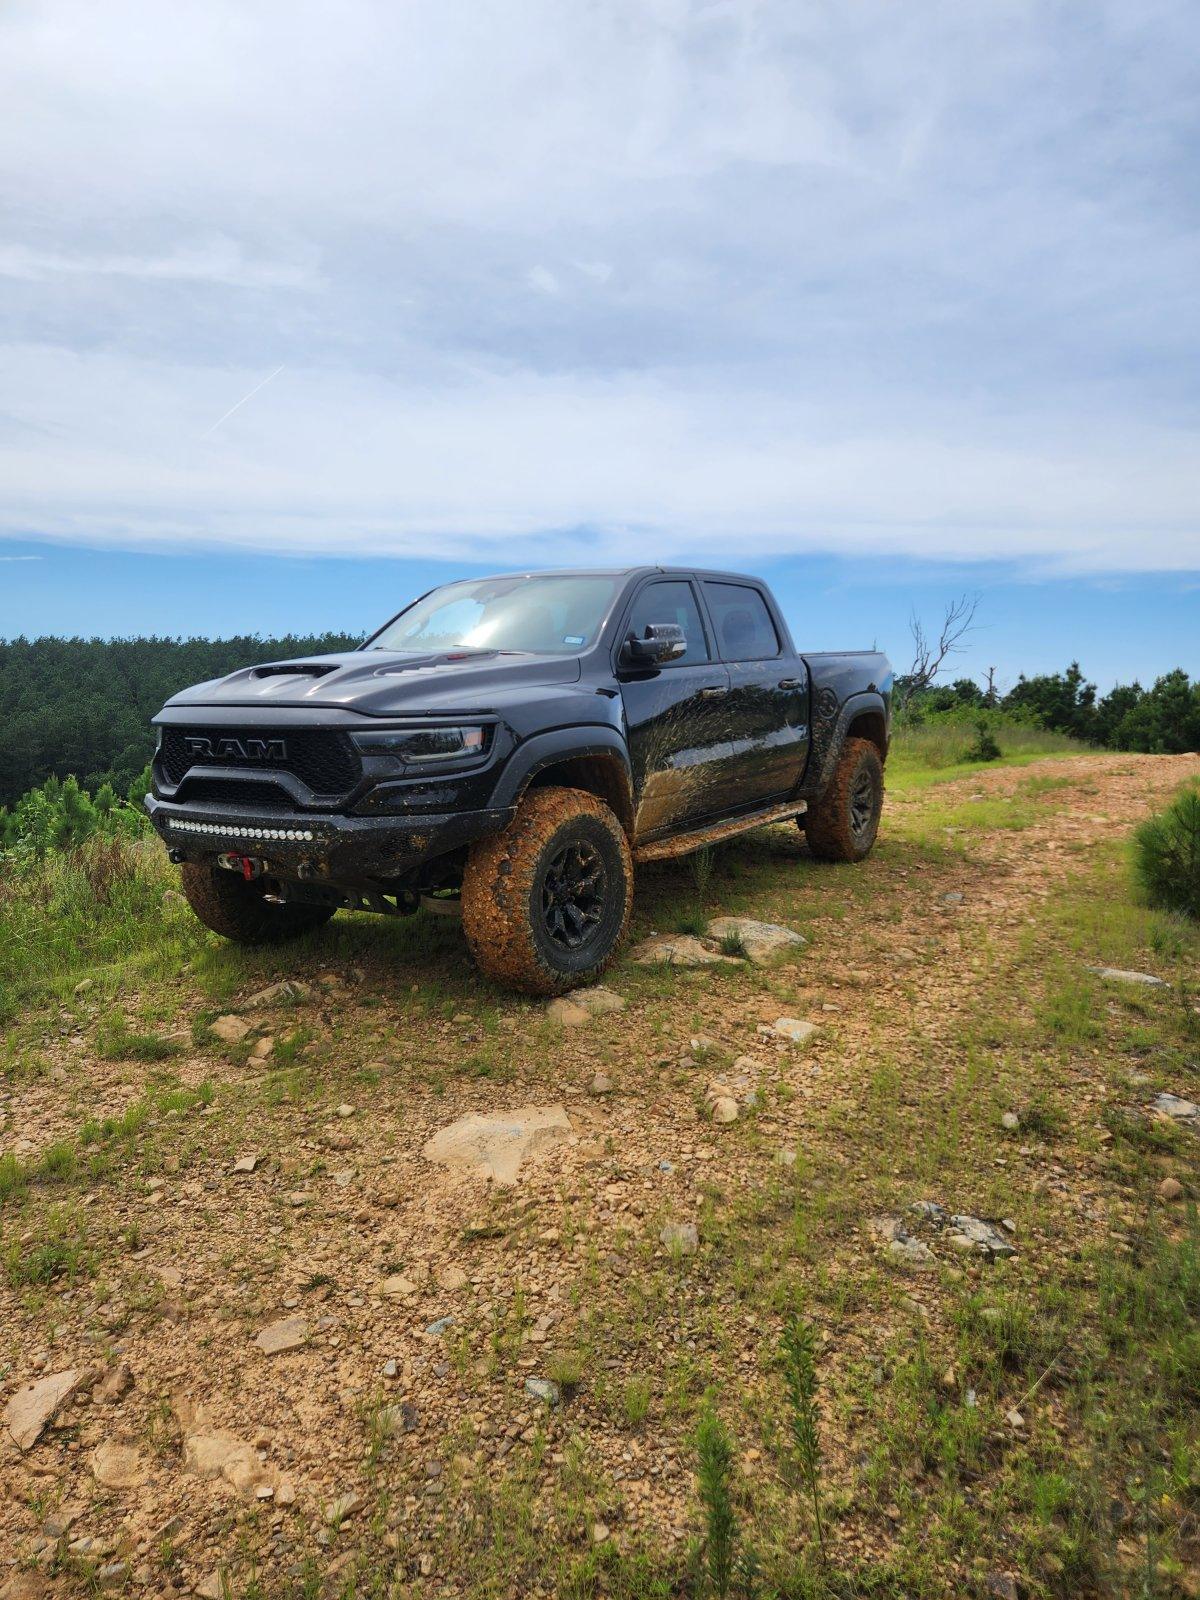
[[745, 631], [671, 601]]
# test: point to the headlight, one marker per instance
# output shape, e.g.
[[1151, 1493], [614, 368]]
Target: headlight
[[421, 745]]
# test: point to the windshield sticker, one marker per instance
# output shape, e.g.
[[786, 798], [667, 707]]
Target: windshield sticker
[[572, 638]]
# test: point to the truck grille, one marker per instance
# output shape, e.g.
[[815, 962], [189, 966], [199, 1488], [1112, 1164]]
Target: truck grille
[[324, 760]]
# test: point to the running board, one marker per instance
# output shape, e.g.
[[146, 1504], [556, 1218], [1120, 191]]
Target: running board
[[683, 843]]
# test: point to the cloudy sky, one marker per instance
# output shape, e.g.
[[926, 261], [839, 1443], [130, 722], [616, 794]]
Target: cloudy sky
[[518, 281]]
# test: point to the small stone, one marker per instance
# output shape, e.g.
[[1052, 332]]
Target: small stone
[[85, 984], [344, 1506], [680, 1238], [453, 1278], [954, 898], [600, 1532], [543, 1389], [1170, 1189], [397, 1287], [345, 1110], [1000, 1586], [972, 1233], [1014, 1418], [440, 1326], [229, 1029], [262, 1048], [602, 1083], [793, 1028], [785, 1158], [724, 1109], [276, 993], [245, 1164], [279, 1337], [390, 1367], [910, 1252], [402, 1418], [118, 1466], [113, 1385], [1011, 1121]]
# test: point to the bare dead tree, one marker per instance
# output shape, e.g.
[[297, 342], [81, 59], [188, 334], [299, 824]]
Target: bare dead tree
[[929, 655]]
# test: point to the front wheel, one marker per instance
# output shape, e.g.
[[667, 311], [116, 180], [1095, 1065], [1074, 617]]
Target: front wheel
[[238, 910], [842, 824], [546, 903]]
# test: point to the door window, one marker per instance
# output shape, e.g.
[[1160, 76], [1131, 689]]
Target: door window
[[743, 623], [671, 602]]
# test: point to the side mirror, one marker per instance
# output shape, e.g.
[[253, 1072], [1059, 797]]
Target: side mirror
[[663, 641]]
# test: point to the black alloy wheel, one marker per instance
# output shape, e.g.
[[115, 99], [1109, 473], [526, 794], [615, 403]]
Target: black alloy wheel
[[574, 894]]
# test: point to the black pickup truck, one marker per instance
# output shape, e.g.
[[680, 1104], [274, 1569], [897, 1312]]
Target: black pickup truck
[[517, 742]]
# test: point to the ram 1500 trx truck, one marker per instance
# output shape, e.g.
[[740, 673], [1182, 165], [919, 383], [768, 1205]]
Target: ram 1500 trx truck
[[520, 742]]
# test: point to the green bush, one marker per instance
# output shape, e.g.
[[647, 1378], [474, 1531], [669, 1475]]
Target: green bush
[[985, 747], [1167, 855]]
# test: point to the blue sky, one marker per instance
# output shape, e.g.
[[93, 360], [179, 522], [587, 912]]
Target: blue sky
[[1120, 629], [887, 302]]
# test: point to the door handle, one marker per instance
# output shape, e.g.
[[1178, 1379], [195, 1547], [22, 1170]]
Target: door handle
[[716, 692], [791, 683]]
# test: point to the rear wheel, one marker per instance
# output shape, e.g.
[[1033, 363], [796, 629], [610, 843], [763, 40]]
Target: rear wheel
[[238, 910], [843, 823], [546, 903]]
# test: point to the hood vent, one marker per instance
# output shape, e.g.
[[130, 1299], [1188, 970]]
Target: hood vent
[[294, 669]]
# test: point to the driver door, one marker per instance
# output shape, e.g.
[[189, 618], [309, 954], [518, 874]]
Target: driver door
[[676, 719]]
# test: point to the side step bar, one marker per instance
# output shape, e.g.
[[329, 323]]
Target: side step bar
[[683, 844]]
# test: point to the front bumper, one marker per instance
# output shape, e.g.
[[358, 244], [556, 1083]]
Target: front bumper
[[311, 845]]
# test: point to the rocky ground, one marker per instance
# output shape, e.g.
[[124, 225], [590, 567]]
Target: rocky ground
[[345, 1273]]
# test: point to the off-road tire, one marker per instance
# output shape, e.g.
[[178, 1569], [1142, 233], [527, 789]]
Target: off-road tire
[[843, 823], [510, 885], [236, 909]]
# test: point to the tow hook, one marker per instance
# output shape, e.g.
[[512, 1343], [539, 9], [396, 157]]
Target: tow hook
[[250, 867]]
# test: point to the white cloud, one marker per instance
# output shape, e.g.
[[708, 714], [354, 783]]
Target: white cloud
[[916, 281]]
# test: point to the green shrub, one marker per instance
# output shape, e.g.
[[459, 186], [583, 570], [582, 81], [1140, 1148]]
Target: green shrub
[[985, 747], [1166, 855]]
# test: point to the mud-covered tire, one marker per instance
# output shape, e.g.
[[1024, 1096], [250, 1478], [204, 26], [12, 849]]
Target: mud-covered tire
[[237, 910], [561, 871], [843, 823]]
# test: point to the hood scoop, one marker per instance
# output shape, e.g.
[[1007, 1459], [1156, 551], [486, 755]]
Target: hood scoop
[[294, 669]]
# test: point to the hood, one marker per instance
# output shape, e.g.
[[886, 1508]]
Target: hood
[[383, 683]]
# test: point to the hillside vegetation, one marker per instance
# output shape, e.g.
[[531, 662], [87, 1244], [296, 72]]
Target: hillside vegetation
[[83, 706], [917, 1320]]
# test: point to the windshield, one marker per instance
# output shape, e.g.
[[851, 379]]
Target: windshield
[[539, 616]]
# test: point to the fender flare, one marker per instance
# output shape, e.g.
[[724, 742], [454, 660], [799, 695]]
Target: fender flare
[[829, 735], [561, 744]]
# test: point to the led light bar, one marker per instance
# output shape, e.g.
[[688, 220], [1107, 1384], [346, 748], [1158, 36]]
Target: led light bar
[[182, 826]]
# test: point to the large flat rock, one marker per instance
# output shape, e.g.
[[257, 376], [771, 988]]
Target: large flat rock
[[762, 941], [30, 1409], [496, 1146]]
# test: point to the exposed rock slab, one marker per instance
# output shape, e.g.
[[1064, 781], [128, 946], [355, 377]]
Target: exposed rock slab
[[1118, 975], [119, 1466], [211, 1452], [681, 950], [681, 1238], [496, 1146], [573, 1010], [1171, 1105], [31, 1408], [762, 941]]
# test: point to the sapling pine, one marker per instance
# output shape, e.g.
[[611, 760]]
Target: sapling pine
[[716, 1459], [800, 1376]]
